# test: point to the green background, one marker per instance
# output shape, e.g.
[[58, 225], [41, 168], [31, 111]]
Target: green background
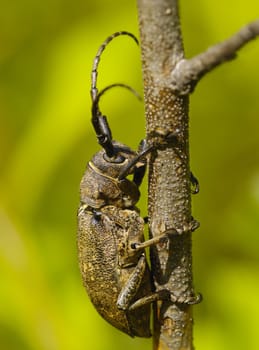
[[46, 138]]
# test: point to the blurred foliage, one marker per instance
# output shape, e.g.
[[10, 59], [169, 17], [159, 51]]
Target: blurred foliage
[[46, 138]]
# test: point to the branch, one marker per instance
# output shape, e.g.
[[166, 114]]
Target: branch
[[168, 80], [169, 198], [188, 72]]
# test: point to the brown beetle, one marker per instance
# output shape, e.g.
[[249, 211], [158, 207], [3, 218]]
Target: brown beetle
[[114, 274]]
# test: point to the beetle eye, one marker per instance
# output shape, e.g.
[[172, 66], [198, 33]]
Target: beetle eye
[[118, 158]]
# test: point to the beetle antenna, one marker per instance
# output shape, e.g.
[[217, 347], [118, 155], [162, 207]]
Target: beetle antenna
[[147, 149], [99, 121], [94, 74]]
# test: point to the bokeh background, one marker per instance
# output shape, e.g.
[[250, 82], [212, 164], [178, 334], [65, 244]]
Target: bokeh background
[[46, 53]]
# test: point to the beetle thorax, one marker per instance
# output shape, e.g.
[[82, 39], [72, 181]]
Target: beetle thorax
[[98, 189]]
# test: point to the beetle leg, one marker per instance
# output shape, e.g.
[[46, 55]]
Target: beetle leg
[[139, 171], [152, 241], [143, 150], [190, 227], [129, 291], [164, 294]]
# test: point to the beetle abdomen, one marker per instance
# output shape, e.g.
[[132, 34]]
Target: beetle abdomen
[[99, 240]]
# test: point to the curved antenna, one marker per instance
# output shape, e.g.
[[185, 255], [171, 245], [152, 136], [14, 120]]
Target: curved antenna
[[94, 73], [95, 105], [100, 123]]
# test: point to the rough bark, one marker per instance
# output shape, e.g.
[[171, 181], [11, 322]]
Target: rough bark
[[169, 173], [168, 80]]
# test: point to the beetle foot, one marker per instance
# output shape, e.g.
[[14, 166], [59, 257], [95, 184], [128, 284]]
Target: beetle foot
[[195, 184], [189, 300], [188, 227]]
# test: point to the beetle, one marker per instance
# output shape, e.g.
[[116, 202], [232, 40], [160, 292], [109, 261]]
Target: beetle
[[110, 237]]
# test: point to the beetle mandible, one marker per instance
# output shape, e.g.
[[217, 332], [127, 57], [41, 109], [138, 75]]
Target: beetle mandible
[[110, 236]]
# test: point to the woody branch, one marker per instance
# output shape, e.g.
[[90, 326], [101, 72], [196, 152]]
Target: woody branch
[[169, 78]]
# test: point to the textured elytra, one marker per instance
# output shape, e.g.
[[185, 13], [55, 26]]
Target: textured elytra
[[107, 262]]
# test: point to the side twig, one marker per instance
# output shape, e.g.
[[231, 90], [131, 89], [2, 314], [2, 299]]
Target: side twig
[[187, 73]]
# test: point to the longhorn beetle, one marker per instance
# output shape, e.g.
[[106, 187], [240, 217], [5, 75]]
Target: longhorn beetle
[[110, 230]]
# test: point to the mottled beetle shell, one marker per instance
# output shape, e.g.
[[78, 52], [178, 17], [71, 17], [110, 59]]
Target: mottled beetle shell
[[106, 258]]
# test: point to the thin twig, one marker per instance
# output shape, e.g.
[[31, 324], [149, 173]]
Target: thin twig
[[188, 72]]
